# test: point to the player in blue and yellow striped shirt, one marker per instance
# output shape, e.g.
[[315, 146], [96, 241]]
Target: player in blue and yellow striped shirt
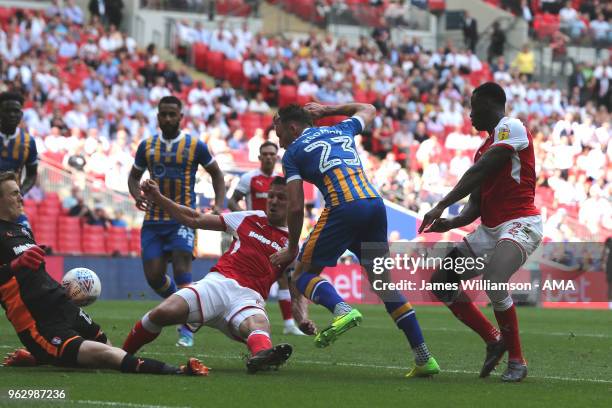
[[354, 214], [17, 146], [172, 159]]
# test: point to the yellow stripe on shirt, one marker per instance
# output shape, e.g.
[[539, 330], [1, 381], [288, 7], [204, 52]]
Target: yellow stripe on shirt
[[346, 190]]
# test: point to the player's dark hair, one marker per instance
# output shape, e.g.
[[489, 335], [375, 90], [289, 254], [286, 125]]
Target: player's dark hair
[[268, 143], [294, 113], [279, 181], [172, 100], [11, 96], [491, 91]]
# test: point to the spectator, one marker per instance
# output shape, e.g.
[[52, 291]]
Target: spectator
[[498, 41], [119, 220], [525, 62], [470, 31], [73, 13], [258, 105], [97, 216]]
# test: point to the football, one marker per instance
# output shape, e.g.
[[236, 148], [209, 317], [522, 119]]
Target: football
[[82, 285]]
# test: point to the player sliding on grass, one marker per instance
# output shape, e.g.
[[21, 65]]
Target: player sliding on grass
[[53, 330], [501, 185], [354, 214], [231, 296]]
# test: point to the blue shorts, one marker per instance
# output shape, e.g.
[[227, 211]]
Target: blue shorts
[[157, 240], [346, 226], [23, 220]]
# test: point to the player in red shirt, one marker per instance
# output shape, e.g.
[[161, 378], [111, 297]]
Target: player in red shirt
[[501, 186], [253, 187], [231, 297]]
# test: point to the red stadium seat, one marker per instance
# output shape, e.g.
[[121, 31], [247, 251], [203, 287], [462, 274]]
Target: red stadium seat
[[134, 241], [117, 241], [200, 56], [215, 64], [94, 241], [233, 72], [287, 94]]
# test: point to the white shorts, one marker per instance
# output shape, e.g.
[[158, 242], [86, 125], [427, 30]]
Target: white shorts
[[221, 303], [525, 232]]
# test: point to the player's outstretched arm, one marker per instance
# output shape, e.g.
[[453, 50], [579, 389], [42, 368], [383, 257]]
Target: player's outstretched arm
[[183, 214], [218, 183], [365, 111], [489, 164]]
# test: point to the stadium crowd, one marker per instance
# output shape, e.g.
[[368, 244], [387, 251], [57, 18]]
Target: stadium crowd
[[91, 97]]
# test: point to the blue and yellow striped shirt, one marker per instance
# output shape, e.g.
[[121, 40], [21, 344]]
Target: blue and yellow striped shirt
[[173, 165], [327, 157], [16, 151]]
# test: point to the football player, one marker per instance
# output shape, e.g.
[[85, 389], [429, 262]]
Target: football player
[[172, 159], [231, 297], [354, 214], [52, 328], [501, 186]]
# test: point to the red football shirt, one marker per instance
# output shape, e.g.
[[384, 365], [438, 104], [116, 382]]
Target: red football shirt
[[509, 194], [247, 261], [255, 186]]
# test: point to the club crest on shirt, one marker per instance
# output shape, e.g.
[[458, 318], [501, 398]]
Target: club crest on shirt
[[504, 133]]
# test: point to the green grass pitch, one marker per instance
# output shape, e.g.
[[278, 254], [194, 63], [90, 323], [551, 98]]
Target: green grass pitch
[[569, 354]]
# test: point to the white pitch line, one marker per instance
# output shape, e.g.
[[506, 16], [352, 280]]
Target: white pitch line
[[120, 404], [385, 367], [461, 330], [361, 365]]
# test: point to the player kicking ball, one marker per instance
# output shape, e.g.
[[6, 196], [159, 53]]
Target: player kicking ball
[[354, 214], [231, 296], [52, 328], [501, 186]]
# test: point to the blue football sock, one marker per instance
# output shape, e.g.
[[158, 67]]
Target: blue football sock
[[405, 318], [319, 291], [166, 288], [183, 279]]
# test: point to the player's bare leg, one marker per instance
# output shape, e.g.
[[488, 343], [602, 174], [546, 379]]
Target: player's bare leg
[[155, 273], [284, 303], [97, 355], [506, 259], [255, 330], [181, 266], [171, 311]]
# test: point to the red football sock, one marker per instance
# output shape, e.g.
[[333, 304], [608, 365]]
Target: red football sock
[[284, 302], [508, 324], [285, 307], [138, 337], [257, 341], [471, 316]]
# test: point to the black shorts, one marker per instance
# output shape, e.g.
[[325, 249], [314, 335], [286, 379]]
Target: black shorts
[[57, 341]]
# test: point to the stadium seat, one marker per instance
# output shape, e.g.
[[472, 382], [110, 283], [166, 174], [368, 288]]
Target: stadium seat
[[94, 241], [200, 56], [117, 241], [134, 241], [214, 65], [287, 94], [233, 72]]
